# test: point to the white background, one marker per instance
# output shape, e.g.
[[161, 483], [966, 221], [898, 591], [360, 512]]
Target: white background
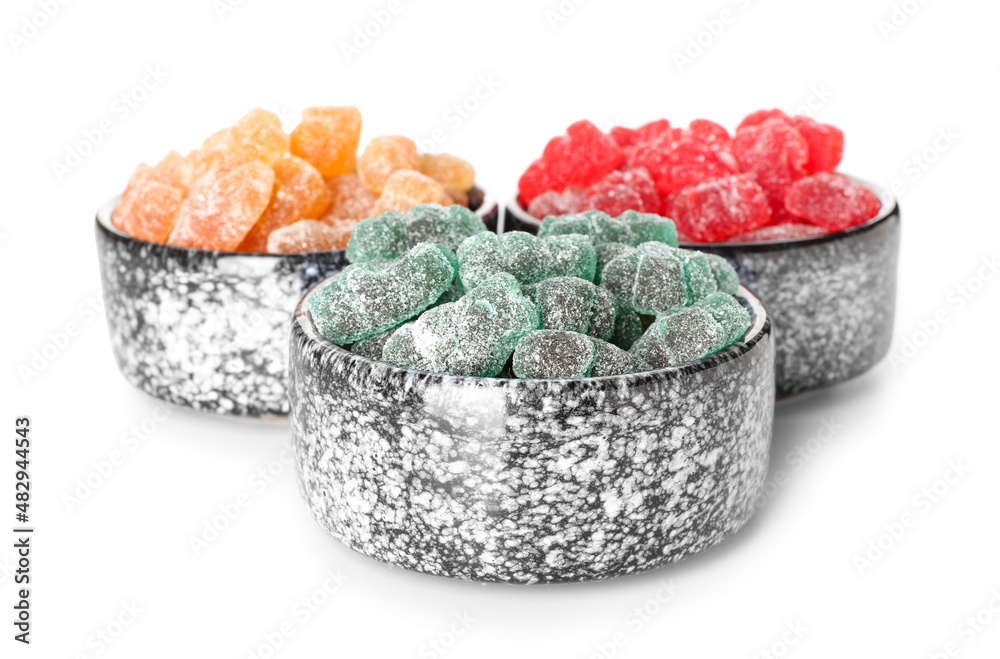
[[794, 567]]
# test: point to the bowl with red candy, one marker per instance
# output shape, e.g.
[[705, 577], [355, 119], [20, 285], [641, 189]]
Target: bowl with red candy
[[204, 256], [818, 247]]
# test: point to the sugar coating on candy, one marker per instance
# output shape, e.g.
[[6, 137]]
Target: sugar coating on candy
[[574, 304], [718, 208], [826, 144], [679, 158], [649, 281], [390, 234], [630, 228], [472, 336], [611, 360], [628, 326], [256, 136], [406, 188], [370, 298], [384, 155], [760, 116], [726, 278], [303, 236], [621, 191], [528, 258], [219, 215], [299, 193], [570, 200], [606, 252], [328, 138], [779, 232], [455, 174], [699, 277], [550, 354], [349, 199], [149, 206], [581, 157], [775, 153], [650, 227], [170, 161], [372, 346], [832, 201], [732, 317]]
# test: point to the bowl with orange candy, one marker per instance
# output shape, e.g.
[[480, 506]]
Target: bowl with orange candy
[[204, 256]]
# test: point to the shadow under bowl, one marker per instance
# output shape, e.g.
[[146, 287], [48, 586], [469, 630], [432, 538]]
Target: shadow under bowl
[[206, 329], [527, 481]]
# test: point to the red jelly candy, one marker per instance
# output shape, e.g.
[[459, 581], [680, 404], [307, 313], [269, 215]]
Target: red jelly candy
[[832, 201], [779, 232], [652, 130], [570, 200], [759, 117], [581, 157], [679, 162], [774, 153], [620, 191], [711, 133], [826, 144], [718, 208], [624, 137]]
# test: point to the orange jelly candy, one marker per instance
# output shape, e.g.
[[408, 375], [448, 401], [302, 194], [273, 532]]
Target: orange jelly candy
[[328, 138], [148, 208], [221, 213], [455, 174], [406, 189], [343, 229], [256, 136], [349, 199], [299, 192], [303, 236], [383, 156]]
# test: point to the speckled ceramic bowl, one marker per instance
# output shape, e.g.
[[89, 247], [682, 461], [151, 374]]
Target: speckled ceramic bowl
[[530, 481], [832, 297], [209, 330]]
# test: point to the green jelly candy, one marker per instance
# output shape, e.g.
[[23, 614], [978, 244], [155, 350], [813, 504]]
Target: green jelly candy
[[364, 300], [390, 234], [649, 281], [698, 274], [630, 228], [372, 346], [574, 304], [611, 360], [733, 317], [679, 337], [528, 258], [726, 278], [628, 325], [473, 336], [605, 253], [550, 354]]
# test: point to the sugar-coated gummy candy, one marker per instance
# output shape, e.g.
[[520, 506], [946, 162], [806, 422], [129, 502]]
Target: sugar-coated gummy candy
[[606, 252], [384, 155], [303, 236], [473, 336], [528, 258], [372, 346], [826, 144], [299, 193], [570, 200], [650, 227], [630, 228], [628, 325], [832, 201], [574, 304], [256, 136], [726, 278], [721, 207], [455, 174], [733, 317], [149, 206], [775, 154], [328, 138], [390, 234], [581, 157], [406, 188], [349, 199], [699, 277], [621, 191], [219, 215], [679, 158], [760, 116], [779, 232], [551, 354], [367, 299]]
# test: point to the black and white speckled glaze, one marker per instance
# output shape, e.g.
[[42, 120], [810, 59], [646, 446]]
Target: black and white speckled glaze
[[832, 298], [203, 329], [529, 481]]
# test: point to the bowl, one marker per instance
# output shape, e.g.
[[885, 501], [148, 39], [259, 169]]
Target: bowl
[[527, 481], [832, 297], [209, 330]]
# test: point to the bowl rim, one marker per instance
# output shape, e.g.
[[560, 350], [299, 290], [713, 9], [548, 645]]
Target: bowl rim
[[103, 222], [760, 327], [889, 209]]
